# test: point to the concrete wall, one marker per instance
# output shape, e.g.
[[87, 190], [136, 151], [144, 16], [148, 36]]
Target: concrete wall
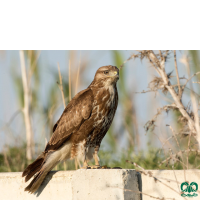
[[82, 184], [101, 184]]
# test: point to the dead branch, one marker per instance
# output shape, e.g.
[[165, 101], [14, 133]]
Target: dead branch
[[178, 154], [151, 123], [131, 57], [164, 83], [177, 100], [183, 87], [166, 142], [177, 76]]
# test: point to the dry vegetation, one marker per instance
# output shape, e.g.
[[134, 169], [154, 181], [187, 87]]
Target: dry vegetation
[[189, 117], [187, 136]]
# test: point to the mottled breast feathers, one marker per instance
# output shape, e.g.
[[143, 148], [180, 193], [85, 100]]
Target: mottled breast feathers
[[77, 111]]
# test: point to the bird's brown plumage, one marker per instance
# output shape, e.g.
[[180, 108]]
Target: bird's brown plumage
[[72, 118], [79, 131]]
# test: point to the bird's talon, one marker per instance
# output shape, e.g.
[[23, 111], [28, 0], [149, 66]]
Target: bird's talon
[[96, 167], [86, 167]]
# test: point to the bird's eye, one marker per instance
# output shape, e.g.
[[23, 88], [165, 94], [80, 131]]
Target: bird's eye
[[106, 72]]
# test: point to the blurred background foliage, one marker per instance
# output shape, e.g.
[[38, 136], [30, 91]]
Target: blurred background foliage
[[124, 140]]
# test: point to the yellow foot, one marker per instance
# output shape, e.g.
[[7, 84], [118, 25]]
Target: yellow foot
[[105, 167], [96, 167], [86, 167], [99, 167]]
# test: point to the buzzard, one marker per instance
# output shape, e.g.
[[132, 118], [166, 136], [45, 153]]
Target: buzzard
[[82, 126]]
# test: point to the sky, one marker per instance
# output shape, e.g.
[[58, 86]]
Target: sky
[[138, 74]]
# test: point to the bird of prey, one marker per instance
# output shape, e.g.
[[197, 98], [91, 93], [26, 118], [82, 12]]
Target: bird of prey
[[82, 126]]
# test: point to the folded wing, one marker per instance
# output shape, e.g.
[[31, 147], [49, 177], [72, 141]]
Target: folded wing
[[77, 111]]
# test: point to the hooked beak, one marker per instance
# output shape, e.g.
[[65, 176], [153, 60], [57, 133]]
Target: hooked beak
[[116, 74]]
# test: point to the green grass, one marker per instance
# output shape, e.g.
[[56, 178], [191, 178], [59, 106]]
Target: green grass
[[14, 160]]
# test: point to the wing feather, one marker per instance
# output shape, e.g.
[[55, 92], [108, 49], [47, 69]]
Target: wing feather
[[76, 112]]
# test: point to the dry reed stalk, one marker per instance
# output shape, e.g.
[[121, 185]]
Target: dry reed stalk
[[64, 104], [77, 77], [129, 133], [6, 161], [61, 86], [31, 71], [173, 132], [26, 111], [70, 97], [70, 92], [175, 174]]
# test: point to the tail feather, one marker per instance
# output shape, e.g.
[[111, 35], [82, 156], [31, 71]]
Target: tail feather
[[41, 166], [32, 182], [34, 167], [36, 182], [33, 171]]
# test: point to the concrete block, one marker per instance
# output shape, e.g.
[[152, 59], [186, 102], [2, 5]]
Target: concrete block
[[57, 186], [98, 184], [115, 184], [101, 184]]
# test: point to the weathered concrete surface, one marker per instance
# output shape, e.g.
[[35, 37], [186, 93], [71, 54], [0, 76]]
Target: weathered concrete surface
[[105, 184], [168, 184], [98, 184], [101, 184], [57, 186]]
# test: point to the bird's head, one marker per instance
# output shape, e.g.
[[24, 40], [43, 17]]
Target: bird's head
[[107, 75]]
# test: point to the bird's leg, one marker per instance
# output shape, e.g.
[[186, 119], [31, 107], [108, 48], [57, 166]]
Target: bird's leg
[[85, 164], [96, 159]]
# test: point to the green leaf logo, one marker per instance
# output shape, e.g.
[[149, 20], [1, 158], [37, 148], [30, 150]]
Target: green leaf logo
[[185, 187], [196, 187]]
